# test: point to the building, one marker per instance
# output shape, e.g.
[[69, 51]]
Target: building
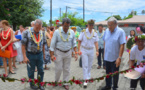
[[128, 24]]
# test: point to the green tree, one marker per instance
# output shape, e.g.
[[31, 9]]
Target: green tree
[[143, 12], [75, 21], [21, 11], [116, 16], [44, 24]]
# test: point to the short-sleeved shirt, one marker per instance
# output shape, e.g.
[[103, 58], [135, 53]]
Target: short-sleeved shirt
[[112, 43], [89, 43], [58, 43], [101, 41], [31, 46], [136, 54]]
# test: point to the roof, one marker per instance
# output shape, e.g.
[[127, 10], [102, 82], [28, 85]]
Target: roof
[[139, 19]]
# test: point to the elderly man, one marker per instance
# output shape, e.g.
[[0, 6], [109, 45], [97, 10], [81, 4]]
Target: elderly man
[[32, 23], [33, 42], [62, 42], [88, 39], [114, 40]]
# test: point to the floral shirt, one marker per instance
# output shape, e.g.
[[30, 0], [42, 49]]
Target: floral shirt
[[31, 46]]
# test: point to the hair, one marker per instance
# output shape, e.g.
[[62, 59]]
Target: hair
[[112, 19], [5, 22], [134, 33], [21, 26], [38, 21], [52, 28], [100, 25], [141, 28], [32, 22], [66, 20]]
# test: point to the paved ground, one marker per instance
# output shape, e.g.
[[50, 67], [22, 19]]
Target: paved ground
[[75, 71]]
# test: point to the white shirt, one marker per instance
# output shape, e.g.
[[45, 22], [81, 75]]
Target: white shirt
[[89, 43], [136, 54]]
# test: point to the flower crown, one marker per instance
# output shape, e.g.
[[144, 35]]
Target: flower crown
[[136, 38]]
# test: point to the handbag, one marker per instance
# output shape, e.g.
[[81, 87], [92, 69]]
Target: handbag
[[6, 53], [16, 45]]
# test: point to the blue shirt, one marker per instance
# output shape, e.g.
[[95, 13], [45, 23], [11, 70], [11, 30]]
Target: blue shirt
[[57, 42], [112, 43], [101, 41]]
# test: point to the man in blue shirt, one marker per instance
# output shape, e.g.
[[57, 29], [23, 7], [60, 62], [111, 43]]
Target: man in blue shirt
[[114, 41], [61, 45], [101, 46]]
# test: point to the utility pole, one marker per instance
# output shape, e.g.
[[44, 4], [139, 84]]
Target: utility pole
[[60, 13], [50, 12], [66, 12], [84, 10]]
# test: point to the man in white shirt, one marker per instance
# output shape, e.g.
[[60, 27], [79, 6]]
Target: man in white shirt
[[138, 53]]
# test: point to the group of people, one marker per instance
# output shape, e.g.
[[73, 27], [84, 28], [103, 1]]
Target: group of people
[[39, 47]]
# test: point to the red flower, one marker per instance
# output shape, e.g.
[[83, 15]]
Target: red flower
[[91, 80], [133, 67], [23, 80], [29, 80], [137, 66], [107, 76], [116, 72], [127, 70], [49, 84], [73, 80], [78, 82], [36, 81], [4, 75], [101, 78], [42, 83]]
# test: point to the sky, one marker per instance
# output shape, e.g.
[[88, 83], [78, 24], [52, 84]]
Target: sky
[[98, 10]]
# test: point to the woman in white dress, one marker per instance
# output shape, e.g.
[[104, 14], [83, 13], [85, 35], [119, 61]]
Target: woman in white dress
[[19, 57]]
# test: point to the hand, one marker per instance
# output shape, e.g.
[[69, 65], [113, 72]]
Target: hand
[[26, 60], [118, 61], [79, 52], [53, 58], [97, 54], [76, 57], [143, 76], [3, 48]]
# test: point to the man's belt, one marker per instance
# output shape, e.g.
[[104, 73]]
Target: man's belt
[[87, 48], [33, 52], [63, 51]]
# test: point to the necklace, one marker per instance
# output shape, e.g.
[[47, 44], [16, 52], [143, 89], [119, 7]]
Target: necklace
[[37, 41], [6, 34], [91, 35], [102, 34], [62, 36]]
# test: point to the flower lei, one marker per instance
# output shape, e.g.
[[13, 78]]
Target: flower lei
[[35, 39], [72, 81], [138, 37], [6, 35], [102, 34], [91, 35], [62, 36]]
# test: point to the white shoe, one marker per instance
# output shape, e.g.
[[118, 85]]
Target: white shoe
[[85, 85]]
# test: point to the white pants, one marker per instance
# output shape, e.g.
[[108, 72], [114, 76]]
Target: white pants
[[87, 60], [62, 63]]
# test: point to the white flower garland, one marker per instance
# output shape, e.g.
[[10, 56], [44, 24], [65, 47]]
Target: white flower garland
[[6, 35], [91, 35], [102, 35], [62, 36], [34, 39]]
